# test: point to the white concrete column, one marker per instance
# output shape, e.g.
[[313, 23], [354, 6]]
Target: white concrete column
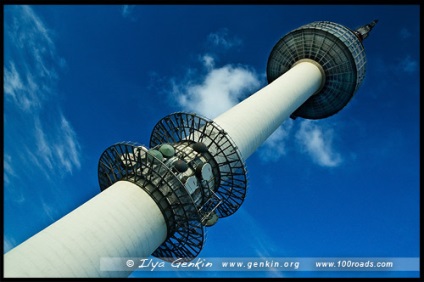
[[253, 120], [122, 221]]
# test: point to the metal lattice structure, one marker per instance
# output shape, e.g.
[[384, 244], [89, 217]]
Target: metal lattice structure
[[187, 209], [232, 182], [131, 162], [340, 53]]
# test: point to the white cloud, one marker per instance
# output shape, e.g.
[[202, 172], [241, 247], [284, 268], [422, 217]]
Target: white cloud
[[17, 90], [43, 146], [30, 86], [30, 73], [405, 33], [10, 174], [34, 37], [12, 81], [8, 171], [59, 146], [128, 12], [51, 213], [8, 243], [34, 160], [408, 65], [220, 89], [317, 142], [208, 61], [67, 148], [260, 241], [37, 25], [222, 39], [274, 147]]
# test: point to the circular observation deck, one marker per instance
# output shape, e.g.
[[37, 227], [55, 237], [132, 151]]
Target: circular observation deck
[[337, 50]]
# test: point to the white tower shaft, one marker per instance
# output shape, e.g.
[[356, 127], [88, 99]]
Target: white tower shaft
[[122, 221], [253, 120]]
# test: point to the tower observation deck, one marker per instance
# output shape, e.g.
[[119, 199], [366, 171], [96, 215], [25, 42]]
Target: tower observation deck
[[159, 200]]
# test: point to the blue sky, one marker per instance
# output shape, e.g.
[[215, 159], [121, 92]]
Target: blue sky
[[78, 79]]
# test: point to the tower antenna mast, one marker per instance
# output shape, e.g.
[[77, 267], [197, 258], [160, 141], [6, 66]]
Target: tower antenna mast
[[159, 200]]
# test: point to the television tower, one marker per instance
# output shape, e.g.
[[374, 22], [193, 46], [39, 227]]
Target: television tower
[[159, 201]]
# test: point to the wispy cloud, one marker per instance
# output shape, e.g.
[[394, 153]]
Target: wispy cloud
[[37, 26], [8, 168], [27, 32], [208, 61], [30, 71], [60, 148], [13, 86], [317, 142], [68, 148], [260, 240], [30, 86], [405, 33], [310, 138], [8, 243], [10, 174], [223, 39], [23, 92], [51, 213], [219, 89], [274, 147], [43, 147], [408, 65], [127, 12]]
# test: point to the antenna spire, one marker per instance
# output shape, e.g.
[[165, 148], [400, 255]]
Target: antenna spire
[[363, 31]]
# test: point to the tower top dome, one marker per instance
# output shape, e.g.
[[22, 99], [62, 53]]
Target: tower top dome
[[340, 53]]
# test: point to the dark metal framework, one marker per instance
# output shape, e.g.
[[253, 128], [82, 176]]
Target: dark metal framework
[[232, 182], [206, 200], [337, 50], [184, 214], [131, 162]]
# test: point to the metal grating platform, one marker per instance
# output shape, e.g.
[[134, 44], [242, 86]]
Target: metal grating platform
[[340, 53]]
